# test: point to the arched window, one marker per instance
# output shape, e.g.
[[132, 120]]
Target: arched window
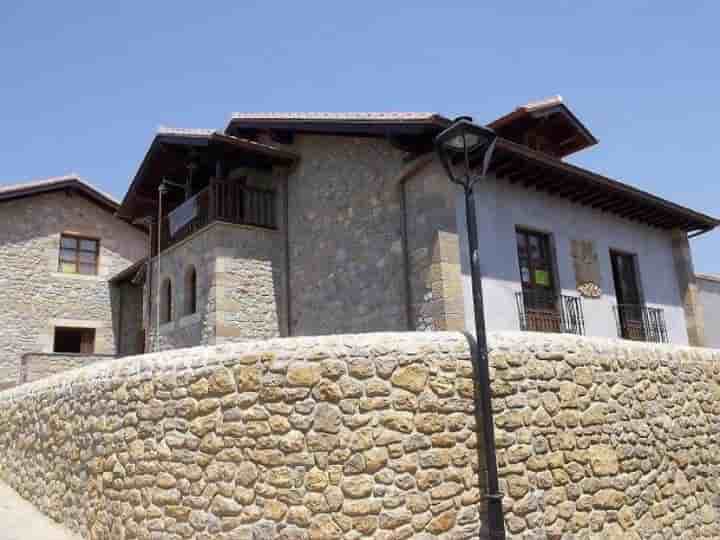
[[166, 301], [190, 291]]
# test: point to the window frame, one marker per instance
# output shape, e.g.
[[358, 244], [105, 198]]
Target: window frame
[[78, 238], [548, 245]]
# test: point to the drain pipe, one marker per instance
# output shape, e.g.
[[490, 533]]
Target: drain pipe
[[406, 174], [162, 190]]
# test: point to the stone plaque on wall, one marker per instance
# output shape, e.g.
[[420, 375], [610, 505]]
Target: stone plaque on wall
[[587, 268]]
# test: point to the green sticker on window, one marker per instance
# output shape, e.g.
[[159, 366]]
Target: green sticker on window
[[542, 277]]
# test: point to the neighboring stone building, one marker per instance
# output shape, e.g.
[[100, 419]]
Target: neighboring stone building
[[322, 223], [59, 244], [709, 294]]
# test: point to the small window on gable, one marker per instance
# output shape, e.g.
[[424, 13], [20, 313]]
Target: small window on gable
[[78, 255], [190, 291], [166, 302], [74, 340]]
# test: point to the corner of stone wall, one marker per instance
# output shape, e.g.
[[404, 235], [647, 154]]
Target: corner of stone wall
[[446, 283], [688, 287]]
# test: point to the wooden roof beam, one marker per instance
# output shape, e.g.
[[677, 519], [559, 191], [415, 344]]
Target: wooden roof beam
[[551, 187], [572, 191], [592, 198], [630, 206], [520, 174], [533, 180], [614, 200]]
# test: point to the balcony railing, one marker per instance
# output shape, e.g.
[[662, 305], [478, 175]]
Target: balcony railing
[[225, 201], [548, 312], [641, 323]]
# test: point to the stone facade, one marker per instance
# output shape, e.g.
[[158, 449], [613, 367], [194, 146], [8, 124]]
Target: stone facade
[[606, 438], [338, 437], [709, 295], [345, 221], [688, 289], [35, 366], [127, 303], [240, 287], [35, 297], [434, 251], [351, 267]]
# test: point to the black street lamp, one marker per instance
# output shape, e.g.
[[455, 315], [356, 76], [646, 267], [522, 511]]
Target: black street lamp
[[456, 146]]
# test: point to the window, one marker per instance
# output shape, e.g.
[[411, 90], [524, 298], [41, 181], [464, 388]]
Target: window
[[635, 320], [166, 301], [74, 340], [535, 258], [538, 302], [78, 255], [190, 291]]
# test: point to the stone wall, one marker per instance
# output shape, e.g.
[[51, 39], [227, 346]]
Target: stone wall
[[434, 251], [709, 296], [127, 304], [240, 286], [34, 366], [34, 296], [606, 438], [366, 436], [345, 221]]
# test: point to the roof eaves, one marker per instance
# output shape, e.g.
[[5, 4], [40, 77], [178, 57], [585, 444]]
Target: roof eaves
[[715, 278], [599, 179]]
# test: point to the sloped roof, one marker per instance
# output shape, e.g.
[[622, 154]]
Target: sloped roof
[[349, 123], [338, 116], [145, 181], [59, 183], [551, 118]]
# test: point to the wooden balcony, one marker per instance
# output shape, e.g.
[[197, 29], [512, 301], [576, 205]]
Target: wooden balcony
[[224, 201]]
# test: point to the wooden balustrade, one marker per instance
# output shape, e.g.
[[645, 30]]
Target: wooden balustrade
[[225, 201]]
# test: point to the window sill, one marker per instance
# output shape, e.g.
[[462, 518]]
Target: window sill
[[84, 277]]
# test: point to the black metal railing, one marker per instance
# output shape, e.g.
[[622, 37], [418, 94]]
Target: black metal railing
[[225, 201], [641, 323], [549, 312]]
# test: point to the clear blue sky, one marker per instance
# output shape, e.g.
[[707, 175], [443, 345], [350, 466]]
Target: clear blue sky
[[84, 85]]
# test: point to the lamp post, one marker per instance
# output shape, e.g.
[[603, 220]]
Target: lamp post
[[456, 146]]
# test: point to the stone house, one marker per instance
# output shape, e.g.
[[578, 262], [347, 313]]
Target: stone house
[[324, 223], [60, 242], [709, 294]]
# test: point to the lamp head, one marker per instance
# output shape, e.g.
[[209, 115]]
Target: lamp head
[[462, 141]]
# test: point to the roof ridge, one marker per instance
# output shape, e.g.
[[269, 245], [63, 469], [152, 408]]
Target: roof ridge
[[553, 100], [167, 130], [320, 115], [50, 181]]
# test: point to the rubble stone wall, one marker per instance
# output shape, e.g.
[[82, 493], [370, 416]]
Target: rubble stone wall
[[373, 436], [36, 366], [600, 438], [365, 436]]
